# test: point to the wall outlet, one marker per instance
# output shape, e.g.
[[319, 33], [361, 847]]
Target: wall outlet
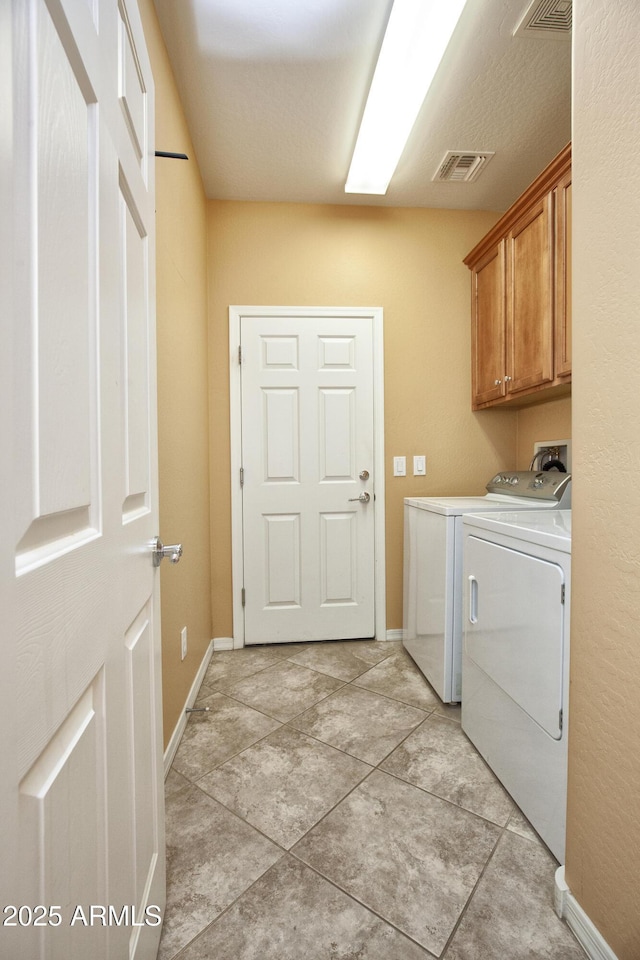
[[399, 466], [419, 466], [183, 643]]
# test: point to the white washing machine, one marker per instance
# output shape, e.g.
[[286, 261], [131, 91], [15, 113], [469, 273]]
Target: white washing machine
[[515, 665], [433, 587]]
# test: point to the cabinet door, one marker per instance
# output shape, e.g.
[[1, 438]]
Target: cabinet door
[[563, 278], [488, 332], [531, 299]]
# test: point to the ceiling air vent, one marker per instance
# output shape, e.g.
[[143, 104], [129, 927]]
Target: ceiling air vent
[[546, 18], [461, 166]]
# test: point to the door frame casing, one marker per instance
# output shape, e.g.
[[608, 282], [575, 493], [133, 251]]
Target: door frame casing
[[375, 314]]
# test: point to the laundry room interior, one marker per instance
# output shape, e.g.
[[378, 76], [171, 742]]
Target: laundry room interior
[[214, 253]]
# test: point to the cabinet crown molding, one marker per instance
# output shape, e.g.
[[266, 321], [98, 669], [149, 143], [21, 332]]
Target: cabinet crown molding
[[540, 186]]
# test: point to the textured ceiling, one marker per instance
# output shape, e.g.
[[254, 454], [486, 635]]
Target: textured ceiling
[[274, 90]]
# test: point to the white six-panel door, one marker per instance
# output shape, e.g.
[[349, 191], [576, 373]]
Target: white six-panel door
[[307, 455], [84, 798]]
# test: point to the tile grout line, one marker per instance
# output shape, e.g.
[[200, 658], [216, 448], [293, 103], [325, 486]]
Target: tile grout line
[[473, 892], [385, 920]]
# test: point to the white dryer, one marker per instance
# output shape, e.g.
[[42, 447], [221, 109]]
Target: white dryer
[[432, 582], [515, 664]]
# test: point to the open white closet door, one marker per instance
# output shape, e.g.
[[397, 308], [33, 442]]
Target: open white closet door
[[82, 796]]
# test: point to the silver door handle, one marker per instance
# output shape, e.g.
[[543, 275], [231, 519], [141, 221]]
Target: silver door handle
[[363, 498], [173, 551]]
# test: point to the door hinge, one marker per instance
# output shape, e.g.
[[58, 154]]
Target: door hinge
[[562, 593], [240, 354], [244, 597], [242, 476], [560, 719]]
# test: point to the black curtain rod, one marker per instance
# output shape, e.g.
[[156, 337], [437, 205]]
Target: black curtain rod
[[172, 156]]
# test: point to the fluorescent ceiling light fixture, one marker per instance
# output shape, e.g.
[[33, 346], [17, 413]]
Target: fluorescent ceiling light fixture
[[417, 36]]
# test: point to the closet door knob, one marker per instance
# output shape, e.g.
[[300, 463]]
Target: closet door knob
[[173, 551]]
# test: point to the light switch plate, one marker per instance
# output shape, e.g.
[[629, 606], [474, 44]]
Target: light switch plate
[[399, 466], [419, 466]]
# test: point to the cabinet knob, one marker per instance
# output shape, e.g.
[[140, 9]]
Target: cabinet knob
[[497, 382], [507, 379]]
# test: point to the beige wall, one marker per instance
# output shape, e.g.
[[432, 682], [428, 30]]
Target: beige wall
[[603, 842], [407, 261], [182, 386]]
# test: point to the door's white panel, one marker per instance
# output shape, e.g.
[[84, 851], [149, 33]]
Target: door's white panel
[[336, 353], [62, 803], [280, 353], [336, 433], [141, 681], [338, 560], [135, 376], [132, 91], [66, 264], [518, 639], [60, 646], [281, 436], [57, 446], [282, 560]]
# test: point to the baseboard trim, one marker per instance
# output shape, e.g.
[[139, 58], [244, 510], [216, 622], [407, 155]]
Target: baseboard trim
[[587, 934], [222, 643], [176, 736], [393, 635]]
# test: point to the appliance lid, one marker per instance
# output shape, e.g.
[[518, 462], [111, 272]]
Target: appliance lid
[[460, 506], [543, 528], [537, 485]]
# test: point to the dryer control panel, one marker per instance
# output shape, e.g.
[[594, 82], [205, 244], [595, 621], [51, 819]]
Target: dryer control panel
[[539, 485]]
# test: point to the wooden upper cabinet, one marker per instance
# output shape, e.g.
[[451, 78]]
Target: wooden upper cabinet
[[521, 296], [530, 302], [563, 277], [489, 331]]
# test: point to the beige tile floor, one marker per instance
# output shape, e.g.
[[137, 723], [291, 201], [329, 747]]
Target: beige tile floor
[[329, 807]]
